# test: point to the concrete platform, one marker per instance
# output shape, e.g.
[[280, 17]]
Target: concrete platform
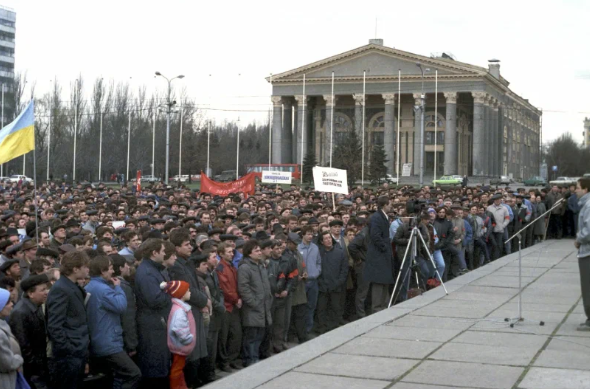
[[460, 340]]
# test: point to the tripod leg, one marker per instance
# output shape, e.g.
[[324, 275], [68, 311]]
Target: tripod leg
[[432, 261], [400, 273]]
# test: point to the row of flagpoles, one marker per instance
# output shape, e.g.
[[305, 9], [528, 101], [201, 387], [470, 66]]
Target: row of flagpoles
[[7, 154]]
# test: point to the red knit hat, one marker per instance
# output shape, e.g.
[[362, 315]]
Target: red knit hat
[[176, 289]]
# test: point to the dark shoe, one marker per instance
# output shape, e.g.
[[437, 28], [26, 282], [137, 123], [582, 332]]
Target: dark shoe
[[285, 346], [583, 327], [226, 369], [235, 366]]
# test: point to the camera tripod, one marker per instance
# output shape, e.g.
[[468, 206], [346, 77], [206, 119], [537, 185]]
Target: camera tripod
[[413, 244]]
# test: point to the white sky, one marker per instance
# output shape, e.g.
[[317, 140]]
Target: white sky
[[226, 48]]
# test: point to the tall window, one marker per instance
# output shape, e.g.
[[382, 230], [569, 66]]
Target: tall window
[[342, 126]]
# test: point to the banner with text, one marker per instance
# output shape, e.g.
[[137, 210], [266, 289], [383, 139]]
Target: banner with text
[[269, 177], [407, 170], [245, 184], [328, 179]]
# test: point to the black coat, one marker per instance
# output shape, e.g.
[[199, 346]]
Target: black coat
[[379, 263], [28, 327], [128, 322], [334, 270], [444, 230], [66, 319], [216, 300], [153, 308], [184, 270], [359, 245]]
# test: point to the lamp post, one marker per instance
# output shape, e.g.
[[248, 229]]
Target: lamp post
[[168, 112]]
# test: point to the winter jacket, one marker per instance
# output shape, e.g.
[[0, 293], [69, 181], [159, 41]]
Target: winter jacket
[[216, 301], [10, 358], [28, 327], [402, 240], [299, 295], [153, 308], [553, 198], [254, 289], [128, 321], [182, 330], [379, 264], [228, 281], [500, 217], [477, 224], [312, 258], [358, 247], [184, 270], [335, 270], [459, 228], [583, 236], [539, 228], [105, 307], [468, 240], [572, 203], [277, 274], [66, 319], [444, 230], [292, 269]]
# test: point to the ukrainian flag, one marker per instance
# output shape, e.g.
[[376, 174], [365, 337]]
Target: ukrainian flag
[[18, 137]]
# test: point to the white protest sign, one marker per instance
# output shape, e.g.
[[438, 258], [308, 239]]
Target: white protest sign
[[328, 179], [407, 170], [269, 177]]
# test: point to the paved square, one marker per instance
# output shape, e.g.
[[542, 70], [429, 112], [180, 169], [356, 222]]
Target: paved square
[[460, 340]]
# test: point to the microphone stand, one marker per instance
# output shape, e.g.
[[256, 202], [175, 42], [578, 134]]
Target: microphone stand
[[515, 320]]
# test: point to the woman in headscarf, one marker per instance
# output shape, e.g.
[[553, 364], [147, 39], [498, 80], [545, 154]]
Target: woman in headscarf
[[10, 357]]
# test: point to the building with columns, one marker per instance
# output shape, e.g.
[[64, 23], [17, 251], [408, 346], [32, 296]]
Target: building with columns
[[479, 127]]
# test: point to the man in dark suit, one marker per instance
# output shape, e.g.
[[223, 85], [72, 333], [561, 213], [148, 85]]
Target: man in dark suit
[[66, 322], [379, 264]]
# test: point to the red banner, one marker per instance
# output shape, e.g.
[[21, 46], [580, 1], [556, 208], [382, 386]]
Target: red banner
[[245, 184]]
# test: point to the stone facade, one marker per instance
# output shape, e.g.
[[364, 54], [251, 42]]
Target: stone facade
[[473, 125]]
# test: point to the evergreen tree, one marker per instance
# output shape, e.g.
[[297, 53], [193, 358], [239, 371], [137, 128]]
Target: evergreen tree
[[309, 162], [377, 168], [347, 156]]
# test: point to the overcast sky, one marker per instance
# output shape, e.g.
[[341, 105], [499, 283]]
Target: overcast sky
[[226, 48]]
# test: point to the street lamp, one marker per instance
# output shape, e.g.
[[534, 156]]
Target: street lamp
[[168, 112]]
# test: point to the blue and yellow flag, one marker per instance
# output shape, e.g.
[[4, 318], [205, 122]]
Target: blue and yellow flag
[[18, 137]]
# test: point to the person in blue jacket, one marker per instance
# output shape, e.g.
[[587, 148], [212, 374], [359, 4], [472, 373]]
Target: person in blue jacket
[[106, 304]]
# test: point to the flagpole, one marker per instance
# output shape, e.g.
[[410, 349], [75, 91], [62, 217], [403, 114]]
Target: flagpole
[[399, 106], [49, 137], [332, 121], [100, 146], [303, 129], [128, 145], [363, 131], [75, 129], [154, 142], [238, 151], [180, 147], [35, 202], [435, 118], [208, 144], [270, 123]]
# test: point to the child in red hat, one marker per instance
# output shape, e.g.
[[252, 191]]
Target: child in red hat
[[182, 331]]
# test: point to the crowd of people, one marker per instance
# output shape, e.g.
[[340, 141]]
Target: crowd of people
[[162, 287]]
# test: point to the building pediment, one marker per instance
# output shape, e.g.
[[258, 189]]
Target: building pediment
[[377, 61]]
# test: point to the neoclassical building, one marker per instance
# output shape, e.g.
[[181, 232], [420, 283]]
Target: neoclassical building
[[479, 128]]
